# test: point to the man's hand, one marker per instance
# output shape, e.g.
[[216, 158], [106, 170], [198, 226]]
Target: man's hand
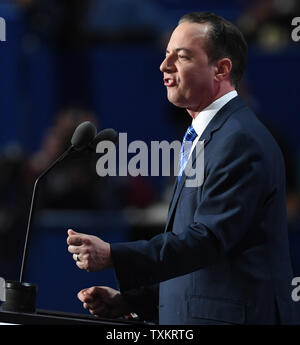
[[103, 301], [89, 252]]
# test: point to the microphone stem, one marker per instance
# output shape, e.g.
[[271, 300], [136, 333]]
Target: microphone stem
[[32, 208]]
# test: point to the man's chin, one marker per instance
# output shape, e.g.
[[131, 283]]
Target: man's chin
[[173, 98], [177, 103]]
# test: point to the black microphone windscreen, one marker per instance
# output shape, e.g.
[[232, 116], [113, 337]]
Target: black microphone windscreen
[[83, 135], [108, 134]]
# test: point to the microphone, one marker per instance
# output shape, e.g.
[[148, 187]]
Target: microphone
[[83, 136], [108, 134], [21, 296]]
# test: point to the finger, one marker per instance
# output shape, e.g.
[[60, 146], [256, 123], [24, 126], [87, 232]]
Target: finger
[[74, 249], [86, 299], [76, 257], [85, 306], [81, 295], [88, 295], [94, 304], [71, 232], [75, 240], [93, 291], [91, 297], [81, 265], [98, 310]]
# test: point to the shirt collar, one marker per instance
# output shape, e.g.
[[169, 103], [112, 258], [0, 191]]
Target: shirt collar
[[201, 121]]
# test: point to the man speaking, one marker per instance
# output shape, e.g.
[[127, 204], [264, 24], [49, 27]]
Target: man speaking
[[224, 256]]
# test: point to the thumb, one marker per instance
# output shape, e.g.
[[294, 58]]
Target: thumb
[[72, 232]]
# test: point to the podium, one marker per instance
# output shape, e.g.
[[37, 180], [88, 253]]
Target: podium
[[47, 317]]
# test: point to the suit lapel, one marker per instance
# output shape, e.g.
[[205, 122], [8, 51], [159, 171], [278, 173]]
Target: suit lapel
[[217, 122]]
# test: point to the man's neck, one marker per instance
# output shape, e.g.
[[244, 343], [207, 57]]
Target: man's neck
[[219, 93]]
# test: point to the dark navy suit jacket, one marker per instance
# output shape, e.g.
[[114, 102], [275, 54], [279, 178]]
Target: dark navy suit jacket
[[224, 255]]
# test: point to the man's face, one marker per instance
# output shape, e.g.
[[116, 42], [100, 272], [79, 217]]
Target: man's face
[[188, 75]]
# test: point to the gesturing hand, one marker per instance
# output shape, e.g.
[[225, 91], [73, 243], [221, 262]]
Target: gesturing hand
[[103, 301], [90, 252]]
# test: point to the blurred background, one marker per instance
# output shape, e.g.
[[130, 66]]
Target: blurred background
[[65, 62]]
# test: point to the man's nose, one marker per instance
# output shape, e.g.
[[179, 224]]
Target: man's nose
[[167, 65]]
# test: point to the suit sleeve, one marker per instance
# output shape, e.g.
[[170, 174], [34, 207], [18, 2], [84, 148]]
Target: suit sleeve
[[231, 195]]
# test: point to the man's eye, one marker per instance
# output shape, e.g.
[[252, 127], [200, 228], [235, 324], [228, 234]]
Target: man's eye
[[183, 57]]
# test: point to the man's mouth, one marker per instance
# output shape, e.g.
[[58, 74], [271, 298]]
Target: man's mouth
[[169, 82]]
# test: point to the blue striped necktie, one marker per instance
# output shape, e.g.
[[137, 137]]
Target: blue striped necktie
[[186, 147]]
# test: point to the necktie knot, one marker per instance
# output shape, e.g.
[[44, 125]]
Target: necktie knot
[[190, 134]]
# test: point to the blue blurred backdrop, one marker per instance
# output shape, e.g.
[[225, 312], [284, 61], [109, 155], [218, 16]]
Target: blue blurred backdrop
[[64, 62]]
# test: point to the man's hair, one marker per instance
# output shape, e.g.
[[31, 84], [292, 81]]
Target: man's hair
[[224, 40]]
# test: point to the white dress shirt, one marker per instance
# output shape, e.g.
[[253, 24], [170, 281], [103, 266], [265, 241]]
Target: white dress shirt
[[201, 121]]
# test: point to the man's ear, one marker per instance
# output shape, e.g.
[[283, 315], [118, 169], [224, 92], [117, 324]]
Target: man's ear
[[222, 69]]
